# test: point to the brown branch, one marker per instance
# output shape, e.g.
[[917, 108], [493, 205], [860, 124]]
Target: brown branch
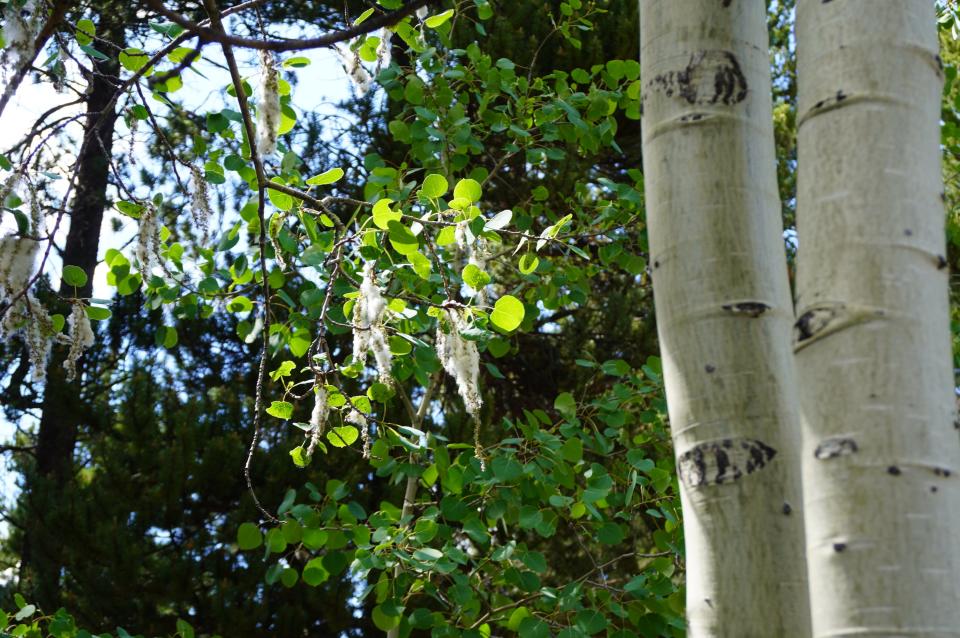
[[56, 17], [217, 34], [237, 79]]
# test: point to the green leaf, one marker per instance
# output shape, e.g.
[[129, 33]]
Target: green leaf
[[447, 236], [435, 21], [280, 409], [529, 263], [343, 436], [276, 542], [314, 573], [314, 538], [572, 450], [326, 177], [93, 52], [74, 276], [421, 265], [282, 201], [289, 577], [469, 189], [402, 238], [383, 215], [565, 405], [590, 621], [96, 313], [363, 16], [507, 313], [296, 62], [133, 59], [434, 186], [58, 321], [610, 534], [166, 337], [299, 456], [474, 277], [249, 536], [85, 31], [383, 621], [428, 554]]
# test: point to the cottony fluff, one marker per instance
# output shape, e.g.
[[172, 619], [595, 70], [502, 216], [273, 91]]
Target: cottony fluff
[[351, 64], [461, 360], [17, 257], [148, 241], [81, 338], [368, 330], [318, 418], [200, 201], [268, 107]]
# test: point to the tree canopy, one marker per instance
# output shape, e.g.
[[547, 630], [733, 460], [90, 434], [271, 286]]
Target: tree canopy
[[275, 364]]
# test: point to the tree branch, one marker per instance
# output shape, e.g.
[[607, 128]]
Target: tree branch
[[219, 35]]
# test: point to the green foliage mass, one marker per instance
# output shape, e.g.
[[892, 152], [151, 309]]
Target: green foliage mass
[[494, 196]]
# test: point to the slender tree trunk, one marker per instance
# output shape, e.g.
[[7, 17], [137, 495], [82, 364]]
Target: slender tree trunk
[[724, 313], [63, 408], [873, 338]]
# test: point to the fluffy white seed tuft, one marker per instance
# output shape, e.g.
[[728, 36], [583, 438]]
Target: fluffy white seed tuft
[[355, 417], [368, 329], [318, 418], [30, 320], [81, 338], [384, 50], [268, 106], [351, 64], [17, 258], [200, 201], [148, 241], [461, 360], [20, 28]]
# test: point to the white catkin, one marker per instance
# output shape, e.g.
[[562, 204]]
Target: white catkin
[[17, 257], [356, 418], [31, 321], [268, 106], [318, 418], [351, 64], [422, 13], [384, 50], [461, 360], [148, 241], [81, 338], [19, 32], [132, 147], [38, 224], [200, 201], [368, 330]]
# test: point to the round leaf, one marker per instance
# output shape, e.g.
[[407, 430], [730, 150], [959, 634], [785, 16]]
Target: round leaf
[[507, 313], [434, 186], [343, 436], [74, 276], [249, 536], [383, 215], [468, 189]]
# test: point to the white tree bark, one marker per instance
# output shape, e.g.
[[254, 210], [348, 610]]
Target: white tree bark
[[724, 313], [873, 337]]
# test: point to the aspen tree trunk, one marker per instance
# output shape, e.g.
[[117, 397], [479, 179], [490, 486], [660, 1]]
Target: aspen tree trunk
[[724, 313], [873, 336]]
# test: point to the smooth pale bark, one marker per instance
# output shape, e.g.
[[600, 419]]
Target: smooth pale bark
[[724, 313], [873, 336]]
